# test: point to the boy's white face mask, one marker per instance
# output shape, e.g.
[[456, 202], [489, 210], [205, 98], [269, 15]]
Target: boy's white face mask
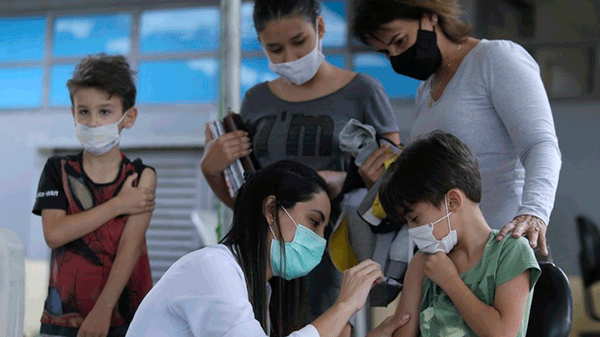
[[303, 69], [426, 241], [98, 140]]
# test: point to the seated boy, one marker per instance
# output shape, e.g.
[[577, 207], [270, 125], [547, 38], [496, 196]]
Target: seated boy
[[462, 281], [95, 208]]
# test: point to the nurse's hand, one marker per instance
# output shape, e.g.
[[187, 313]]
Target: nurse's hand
[[222, 151], [389, 325], [357, 283]]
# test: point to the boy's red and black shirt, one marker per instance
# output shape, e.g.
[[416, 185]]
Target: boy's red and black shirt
[[79, 270]]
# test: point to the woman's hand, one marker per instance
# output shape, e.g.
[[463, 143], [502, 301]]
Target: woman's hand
[[220, 152], [389, 325], [440, 269], [374, 166], [357, 282], [531, 226], [335, 181]]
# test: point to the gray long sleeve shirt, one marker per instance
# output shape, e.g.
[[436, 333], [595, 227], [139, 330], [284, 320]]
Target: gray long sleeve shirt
[[497, 105]]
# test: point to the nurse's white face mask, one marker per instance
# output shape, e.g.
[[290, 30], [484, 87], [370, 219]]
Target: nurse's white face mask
[[303, 69]]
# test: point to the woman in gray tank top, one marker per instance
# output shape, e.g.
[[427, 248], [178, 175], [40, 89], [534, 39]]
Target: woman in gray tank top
[[487, 93], [299, 116]]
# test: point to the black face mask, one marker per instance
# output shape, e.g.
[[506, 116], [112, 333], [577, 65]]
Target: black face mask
[[422, 59]]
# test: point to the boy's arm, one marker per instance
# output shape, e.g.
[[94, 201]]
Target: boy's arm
[[128, 252], [60, 229], [502, 319], [410, 298]]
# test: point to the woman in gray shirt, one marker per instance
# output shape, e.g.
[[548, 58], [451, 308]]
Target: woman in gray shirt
[[487, 93], [299, 116]]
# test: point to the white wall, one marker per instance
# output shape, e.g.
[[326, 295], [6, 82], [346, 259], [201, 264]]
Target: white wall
[[578, 130]]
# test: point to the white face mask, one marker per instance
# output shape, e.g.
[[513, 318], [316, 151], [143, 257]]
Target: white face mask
[[303, 69], [426, 241], [98, 140]]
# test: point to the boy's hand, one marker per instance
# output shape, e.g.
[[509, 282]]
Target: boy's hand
[[220, 152], [440, 269], [135, 200], [96, 324]]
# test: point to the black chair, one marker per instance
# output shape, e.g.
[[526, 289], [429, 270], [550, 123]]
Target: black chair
[[589, 261], [551, 313]]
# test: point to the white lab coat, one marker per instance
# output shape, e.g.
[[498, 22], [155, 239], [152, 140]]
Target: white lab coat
[[202, 294]]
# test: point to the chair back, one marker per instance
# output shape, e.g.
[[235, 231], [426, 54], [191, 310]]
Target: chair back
[[589, 260], [551, 313], [206, 224], [589, 237]]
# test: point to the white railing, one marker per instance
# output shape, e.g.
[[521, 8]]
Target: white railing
[[12, 284]]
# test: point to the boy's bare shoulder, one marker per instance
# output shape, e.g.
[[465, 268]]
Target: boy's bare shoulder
[[149, 172], [418, 260]]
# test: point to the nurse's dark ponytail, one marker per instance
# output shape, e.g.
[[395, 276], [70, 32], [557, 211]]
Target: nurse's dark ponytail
[[268, 10], [289, 182]]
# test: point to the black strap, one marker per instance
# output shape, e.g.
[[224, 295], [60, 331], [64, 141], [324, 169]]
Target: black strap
[[387, 225]]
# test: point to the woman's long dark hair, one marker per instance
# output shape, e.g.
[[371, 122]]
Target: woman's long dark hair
[[289, 182]]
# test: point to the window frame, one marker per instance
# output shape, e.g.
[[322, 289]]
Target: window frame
[[527, 38], [136, 57]]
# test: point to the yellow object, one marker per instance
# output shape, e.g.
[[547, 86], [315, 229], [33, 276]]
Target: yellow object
[[377, 208], [340, 249]]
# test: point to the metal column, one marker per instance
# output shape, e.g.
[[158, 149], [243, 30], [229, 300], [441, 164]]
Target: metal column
[[230, 56]]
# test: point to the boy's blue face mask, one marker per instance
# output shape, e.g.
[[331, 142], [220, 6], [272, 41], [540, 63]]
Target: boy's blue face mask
[[301, 256]]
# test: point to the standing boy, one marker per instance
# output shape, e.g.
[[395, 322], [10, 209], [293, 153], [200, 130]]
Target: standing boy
[[96, 207]]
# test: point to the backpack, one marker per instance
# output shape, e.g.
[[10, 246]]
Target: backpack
[[358, 235]]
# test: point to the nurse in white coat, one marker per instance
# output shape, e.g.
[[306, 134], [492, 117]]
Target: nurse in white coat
[[277, 237]]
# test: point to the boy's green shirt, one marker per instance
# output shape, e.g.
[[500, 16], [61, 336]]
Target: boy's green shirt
[[501, 262]]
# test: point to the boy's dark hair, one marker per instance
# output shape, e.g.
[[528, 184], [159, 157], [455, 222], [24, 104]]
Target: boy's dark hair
[[268, 10], [426, 170], [372, 14], [109, 73]]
